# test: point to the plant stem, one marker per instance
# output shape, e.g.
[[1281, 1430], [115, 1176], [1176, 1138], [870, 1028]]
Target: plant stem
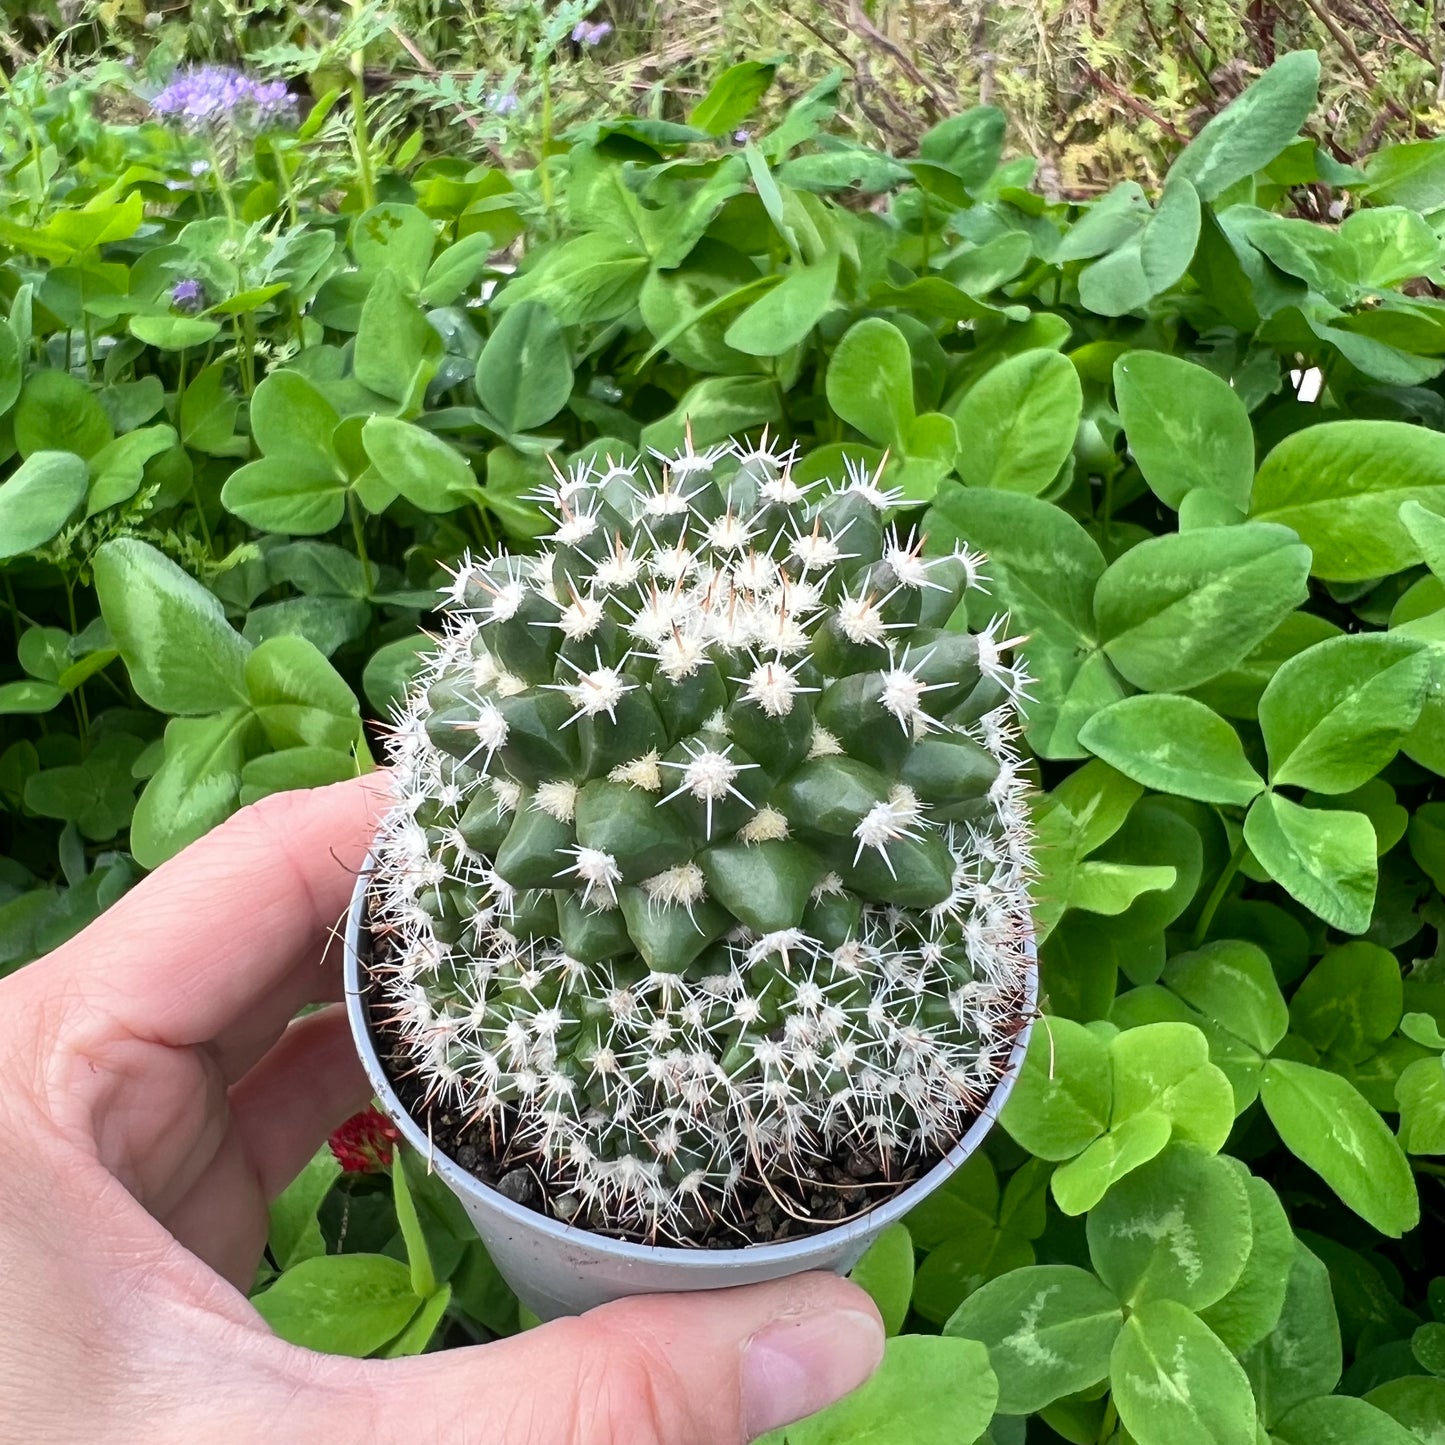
[[1111, 1419], [544, 164], [361, 134], [353, 507], [222, 189], [1216, 894], [14, 607]]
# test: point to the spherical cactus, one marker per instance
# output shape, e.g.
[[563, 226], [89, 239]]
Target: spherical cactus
[[709, 854]]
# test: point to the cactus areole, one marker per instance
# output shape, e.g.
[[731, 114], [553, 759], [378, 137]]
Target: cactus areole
[[706, 877]]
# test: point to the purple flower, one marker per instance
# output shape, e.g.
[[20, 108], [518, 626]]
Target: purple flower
[[502, 102], [213, 97], [586, 32], [188, 295]]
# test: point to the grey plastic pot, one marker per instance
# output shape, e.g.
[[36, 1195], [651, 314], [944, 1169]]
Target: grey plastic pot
[[557, 1269]]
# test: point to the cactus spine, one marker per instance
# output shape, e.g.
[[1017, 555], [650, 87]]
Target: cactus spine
[[709, 849]]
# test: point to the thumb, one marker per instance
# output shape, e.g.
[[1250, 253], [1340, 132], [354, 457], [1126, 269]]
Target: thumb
[[714, 1368]]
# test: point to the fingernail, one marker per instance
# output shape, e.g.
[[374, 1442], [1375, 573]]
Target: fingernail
[[793, 1367]]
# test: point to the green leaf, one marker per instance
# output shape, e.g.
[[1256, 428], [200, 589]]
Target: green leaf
[[1253, 129], [12, 366], [419, 464], [1341, 1420], [208, 411], [589, 278], [274, 494], [1164, 1068], [1149, 261], [98, 794], [1427, 531], [1253, 1307], [732, 97], [1340, 485], [1177, 1228], [929, 1390], [1232, 983], [1187, 428], [1061, 1100], [1018, 422], [1175, 1383], [173, 333], [37, 499], [182, 655], [785, 315], [1323, 1119], [391, 669], [1417, 1402], [1048, 1330], [294, 1233], [1043, 568], [967, 145], [524, 374], [1427, 1344], [1179, 609], [397, 348], [395, 238], [1100, 886], [1236, 692], [340, 1304], [1081, 1183], [291, 419], [294, 767], [117, 469], [423, 1275], [1408, 174], [1098, 800], [415, 1338], [870, 381], [886, 1272], [29, 696], [59, 412], [1174, 745], [715, 408], [456, 268], [300, 699], [197, 785], [1042, 565], [1420, 1092], [1389, 245], [1350, 1002], [963, 1262], [1301, 1356], [1323, 858], [1334, 714]]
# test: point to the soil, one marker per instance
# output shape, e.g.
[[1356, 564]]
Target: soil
[[824, 1192]]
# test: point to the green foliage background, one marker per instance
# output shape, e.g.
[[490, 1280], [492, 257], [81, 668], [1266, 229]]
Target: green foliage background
[[1202, 440]]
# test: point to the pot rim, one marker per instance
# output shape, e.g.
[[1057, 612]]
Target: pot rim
[[464, 1183]]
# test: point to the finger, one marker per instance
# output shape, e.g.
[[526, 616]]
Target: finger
[[310, 1082], [287, 1105], [222, 1218], [224, 942], [716, 1368]]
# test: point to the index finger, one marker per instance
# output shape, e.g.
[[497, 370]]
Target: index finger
[[232, 930]]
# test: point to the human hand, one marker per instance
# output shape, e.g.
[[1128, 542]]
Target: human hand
[[157, 1094]]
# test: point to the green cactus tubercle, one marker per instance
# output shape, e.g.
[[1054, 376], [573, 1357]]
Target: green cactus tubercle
[[709, 851]]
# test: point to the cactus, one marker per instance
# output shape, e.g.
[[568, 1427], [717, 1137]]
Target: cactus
[[709, 852]]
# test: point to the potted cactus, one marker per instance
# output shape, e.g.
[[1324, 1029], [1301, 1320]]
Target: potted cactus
[[696, 946]]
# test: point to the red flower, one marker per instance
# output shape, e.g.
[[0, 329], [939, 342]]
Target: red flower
[[363, 1144]]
